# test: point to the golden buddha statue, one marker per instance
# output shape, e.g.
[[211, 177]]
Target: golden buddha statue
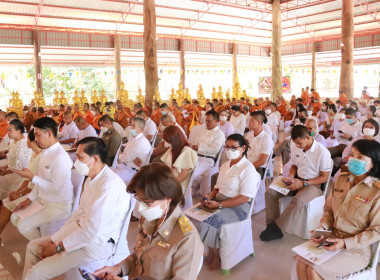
[[56, 99], [39, 101], [188, 95], [140, 97], [94, 97], [123, 96], [214, 95], [201, 96], [15, 104], [228, 95], [244, 94], [236, 91], [103, 98], [63, 99], [76, 98], [83, 98], [219, 94], [180, 94], [157, 96]]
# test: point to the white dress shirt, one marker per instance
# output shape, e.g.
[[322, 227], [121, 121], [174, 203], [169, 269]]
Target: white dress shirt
[[267, 129], [309, 163], [353, 130], [53, 179], [239, 123], [69, 131], [335, 127], [240, 179], [210, 141], [363, 110], [150, 128], [319, 138], [100, 214], [89, 131], [261, 144], [272, 119], [136, 147], [195, 133]]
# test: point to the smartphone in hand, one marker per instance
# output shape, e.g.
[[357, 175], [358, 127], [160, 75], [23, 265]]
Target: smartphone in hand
[[87, 275], [321, 232]]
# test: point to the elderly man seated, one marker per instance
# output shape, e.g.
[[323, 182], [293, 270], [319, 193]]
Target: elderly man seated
[[70, 131], [85, 130], [136, 152]]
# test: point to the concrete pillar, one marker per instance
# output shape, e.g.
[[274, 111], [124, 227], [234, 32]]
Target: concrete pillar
[[182, 64], [276, 51], [116, 45], [313, 66], [346, 83], [37, 60], [234, 64], [150, 50]]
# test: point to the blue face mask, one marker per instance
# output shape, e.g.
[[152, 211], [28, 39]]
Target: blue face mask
[[312, 134], [163, 113], [356, 166], [350, 121], [133, 132]]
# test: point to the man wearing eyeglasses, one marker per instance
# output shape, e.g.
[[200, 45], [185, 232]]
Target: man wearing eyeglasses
[[311, 126]]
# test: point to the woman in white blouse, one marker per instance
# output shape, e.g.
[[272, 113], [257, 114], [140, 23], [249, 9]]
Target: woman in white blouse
[[238, 120], [234, 193], [225, 125], [18, 158], [8, 205], [180, 157]]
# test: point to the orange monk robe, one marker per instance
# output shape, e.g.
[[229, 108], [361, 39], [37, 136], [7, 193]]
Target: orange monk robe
[[42, 116], [219, 108], [149, 110], [89, 117], [316, 107], [3, 128], [255, 108], [343, 99], [60, 117], [95, 122], [77, 114], [178, 116], [292, 104], [305, 97], [282, 109], [55, 119], [316, 95], [146, 111], [156, 116], [121, 118], [366, 97]]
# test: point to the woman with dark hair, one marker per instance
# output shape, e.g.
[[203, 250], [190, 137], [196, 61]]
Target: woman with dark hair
[[224, 124], [355, 106], [18, 158], [14, 198], [352, 213], [238, 120], [234, 193], [167, 245], [180, 157]]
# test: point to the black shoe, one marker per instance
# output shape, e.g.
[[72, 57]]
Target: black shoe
[[272, 232]]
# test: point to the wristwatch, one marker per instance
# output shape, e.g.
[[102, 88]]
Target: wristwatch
[[306, 183], [58, 248], [220, 205]]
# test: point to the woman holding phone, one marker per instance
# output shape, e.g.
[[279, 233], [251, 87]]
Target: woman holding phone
[[352, 213]]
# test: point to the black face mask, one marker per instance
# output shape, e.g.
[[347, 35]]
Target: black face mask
[[302, 120]]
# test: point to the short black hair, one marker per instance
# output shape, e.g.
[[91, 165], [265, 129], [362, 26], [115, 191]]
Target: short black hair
[[106, 119], [214, 114], [350, 112], [94, 146], [13, 115], [235, 108], [240, 139], [372, 109], [274, 104], [374, 123], [18, 125], [31, 135], [46, 123], [164, 106], [299, 131], [211, 105], [332, 107], [303, 109], [41, 110], [138, 105], [258, 115], [370, 148]]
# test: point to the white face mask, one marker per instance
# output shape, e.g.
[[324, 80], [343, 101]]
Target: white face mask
[[25, 112], [369, 131], [268, 111], [223, 118], [49, 116], [167, 145], [151, 213], [82, 167], [309, 113], [342, 116], [232, 154], [103, 129]]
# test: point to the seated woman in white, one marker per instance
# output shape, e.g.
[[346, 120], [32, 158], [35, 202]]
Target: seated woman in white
[[351, 212], [16, 197], [180, 157], [234, 192], [18, 158], [225, 125]]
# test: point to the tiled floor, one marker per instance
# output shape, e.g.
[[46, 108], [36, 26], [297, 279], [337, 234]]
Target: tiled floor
[[272, 260]]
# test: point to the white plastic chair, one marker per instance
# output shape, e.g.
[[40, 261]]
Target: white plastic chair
[[121, 250], [260, 196], [77, 181], [187, 196], [114, 163], [153, 141], [236, 242], [314, 213], [369, 273]]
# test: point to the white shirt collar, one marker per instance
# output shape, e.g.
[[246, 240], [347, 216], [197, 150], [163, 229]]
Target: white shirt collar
[[53, 147]]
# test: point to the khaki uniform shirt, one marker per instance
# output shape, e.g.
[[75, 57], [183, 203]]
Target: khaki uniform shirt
[[353, 212], [112, 140], [173, 252]]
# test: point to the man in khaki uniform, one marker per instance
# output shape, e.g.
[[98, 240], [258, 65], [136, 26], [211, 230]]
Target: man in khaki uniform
[[311, 166], [110, 137]]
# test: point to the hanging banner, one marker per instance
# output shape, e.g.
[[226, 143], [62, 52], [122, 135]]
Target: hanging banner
[[265, 84]]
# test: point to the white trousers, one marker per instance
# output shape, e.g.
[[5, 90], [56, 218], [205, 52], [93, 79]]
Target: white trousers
[[204, 182], [126, 173], [52, 212], [48, 268]]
